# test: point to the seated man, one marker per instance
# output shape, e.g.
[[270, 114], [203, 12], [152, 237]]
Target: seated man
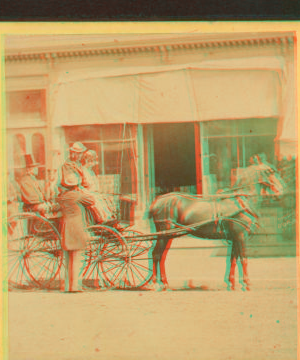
[[71, 167], [31, 192]]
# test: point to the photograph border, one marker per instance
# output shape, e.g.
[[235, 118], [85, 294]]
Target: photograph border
[[195, 27]]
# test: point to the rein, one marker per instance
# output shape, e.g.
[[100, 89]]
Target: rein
[[197, 226], [241, 187]]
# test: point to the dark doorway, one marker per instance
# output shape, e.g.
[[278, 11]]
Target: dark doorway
[[174, 157]]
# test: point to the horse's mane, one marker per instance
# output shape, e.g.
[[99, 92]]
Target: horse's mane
[[256, 174], [168, 201], [250, 175]]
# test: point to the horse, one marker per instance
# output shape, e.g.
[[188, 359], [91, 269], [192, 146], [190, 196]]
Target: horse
[[231, 215]]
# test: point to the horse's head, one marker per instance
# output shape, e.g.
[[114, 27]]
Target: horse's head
[[261, 179], [270, 180]]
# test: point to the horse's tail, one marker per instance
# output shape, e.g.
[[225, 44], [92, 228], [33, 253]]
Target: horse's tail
[[156, 207], [150, 212]]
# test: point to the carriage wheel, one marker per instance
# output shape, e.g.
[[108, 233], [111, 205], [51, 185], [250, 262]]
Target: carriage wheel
[[17, 274], [34, 257], [103, 257], [139, 264]]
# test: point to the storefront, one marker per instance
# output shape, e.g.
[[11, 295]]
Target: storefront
[[181, 115]]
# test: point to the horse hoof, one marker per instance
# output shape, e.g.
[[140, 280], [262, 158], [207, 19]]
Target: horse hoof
[[156, 287], [151, 287], [245, 285], [167, 288], [160, 287], [246, 288], [230, 287]]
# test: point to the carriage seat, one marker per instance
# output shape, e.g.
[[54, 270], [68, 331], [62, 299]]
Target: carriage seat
[[49, 210], [110, 222]]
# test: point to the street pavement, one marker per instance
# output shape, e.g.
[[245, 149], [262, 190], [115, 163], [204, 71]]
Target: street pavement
[[199, 319]]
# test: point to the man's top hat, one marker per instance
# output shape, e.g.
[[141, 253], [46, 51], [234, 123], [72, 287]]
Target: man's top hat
[[29, 163], [77, 147]]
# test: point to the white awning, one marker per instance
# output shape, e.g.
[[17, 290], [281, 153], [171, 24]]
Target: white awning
[[223, 89]]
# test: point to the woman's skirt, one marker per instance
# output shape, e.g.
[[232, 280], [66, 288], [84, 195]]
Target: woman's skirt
[[100, 210]]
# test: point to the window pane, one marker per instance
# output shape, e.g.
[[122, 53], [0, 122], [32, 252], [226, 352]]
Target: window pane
[[82, 133], [240, 127], [257, 126], [115, 132], [220, 128], [112, 161], [22, 105], [257, 145], [222, 158], [98, 132]]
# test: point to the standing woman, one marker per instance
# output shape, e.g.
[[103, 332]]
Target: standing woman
[[73, 202]]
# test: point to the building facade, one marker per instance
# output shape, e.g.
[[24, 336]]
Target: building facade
[[164, 113]]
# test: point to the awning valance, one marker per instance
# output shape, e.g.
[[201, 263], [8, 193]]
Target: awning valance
[[247, 63]]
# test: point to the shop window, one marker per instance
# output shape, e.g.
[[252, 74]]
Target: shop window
[[229, 145], [38, 152], [115, 147]]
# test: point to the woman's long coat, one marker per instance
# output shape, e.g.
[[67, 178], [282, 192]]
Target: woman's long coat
[[73, 207], [101, 210]]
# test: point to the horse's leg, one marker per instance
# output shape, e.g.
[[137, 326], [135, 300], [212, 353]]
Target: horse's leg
[[244, 262], [156, 256], [163, 275], [155, 263], [233, 259], [164, 248], [159, 278], [238, 237]]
